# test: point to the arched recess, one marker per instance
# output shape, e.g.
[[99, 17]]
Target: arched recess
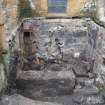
[[29, 38]]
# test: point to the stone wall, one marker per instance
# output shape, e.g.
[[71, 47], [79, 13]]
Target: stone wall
[[69, 33], [72, 50], [74, 8], [10, 15], [3, 79], [9, 21], [80, 8]]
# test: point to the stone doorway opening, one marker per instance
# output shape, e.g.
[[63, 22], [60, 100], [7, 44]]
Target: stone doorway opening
[[29, 43]]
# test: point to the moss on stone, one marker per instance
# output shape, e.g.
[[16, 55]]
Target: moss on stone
[[96, 17], [3, 79], [2, 55], [1, 60], [3, 71], [102, 91], [24, 10]]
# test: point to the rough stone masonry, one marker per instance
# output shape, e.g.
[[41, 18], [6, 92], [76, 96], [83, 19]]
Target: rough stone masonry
[[70, 51], [60, 61]]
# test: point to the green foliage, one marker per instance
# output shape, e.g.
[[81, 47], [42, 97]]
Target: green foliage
[[1, 59], [96, 18], [102, 90], [2, 55], [24, 10]]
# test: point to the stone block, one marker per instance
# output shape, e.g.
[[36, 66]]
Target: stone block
[[46, 83]]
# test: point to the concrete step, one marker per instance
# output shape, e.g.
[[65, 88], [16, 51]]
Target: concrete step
[[39, 84]]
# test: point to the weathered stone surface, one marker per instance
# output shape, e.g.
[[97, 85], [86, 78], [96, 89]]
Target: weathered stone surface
[[56, 67], [46, 83], [20, 100], [95, 100], [88, 100], [69, 50], [81, 69], [75, 99], [99, 67], [85, 81], [87, 90], [45, 75], [77, 40], [55, 39], [72, 8], [3, 78]]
